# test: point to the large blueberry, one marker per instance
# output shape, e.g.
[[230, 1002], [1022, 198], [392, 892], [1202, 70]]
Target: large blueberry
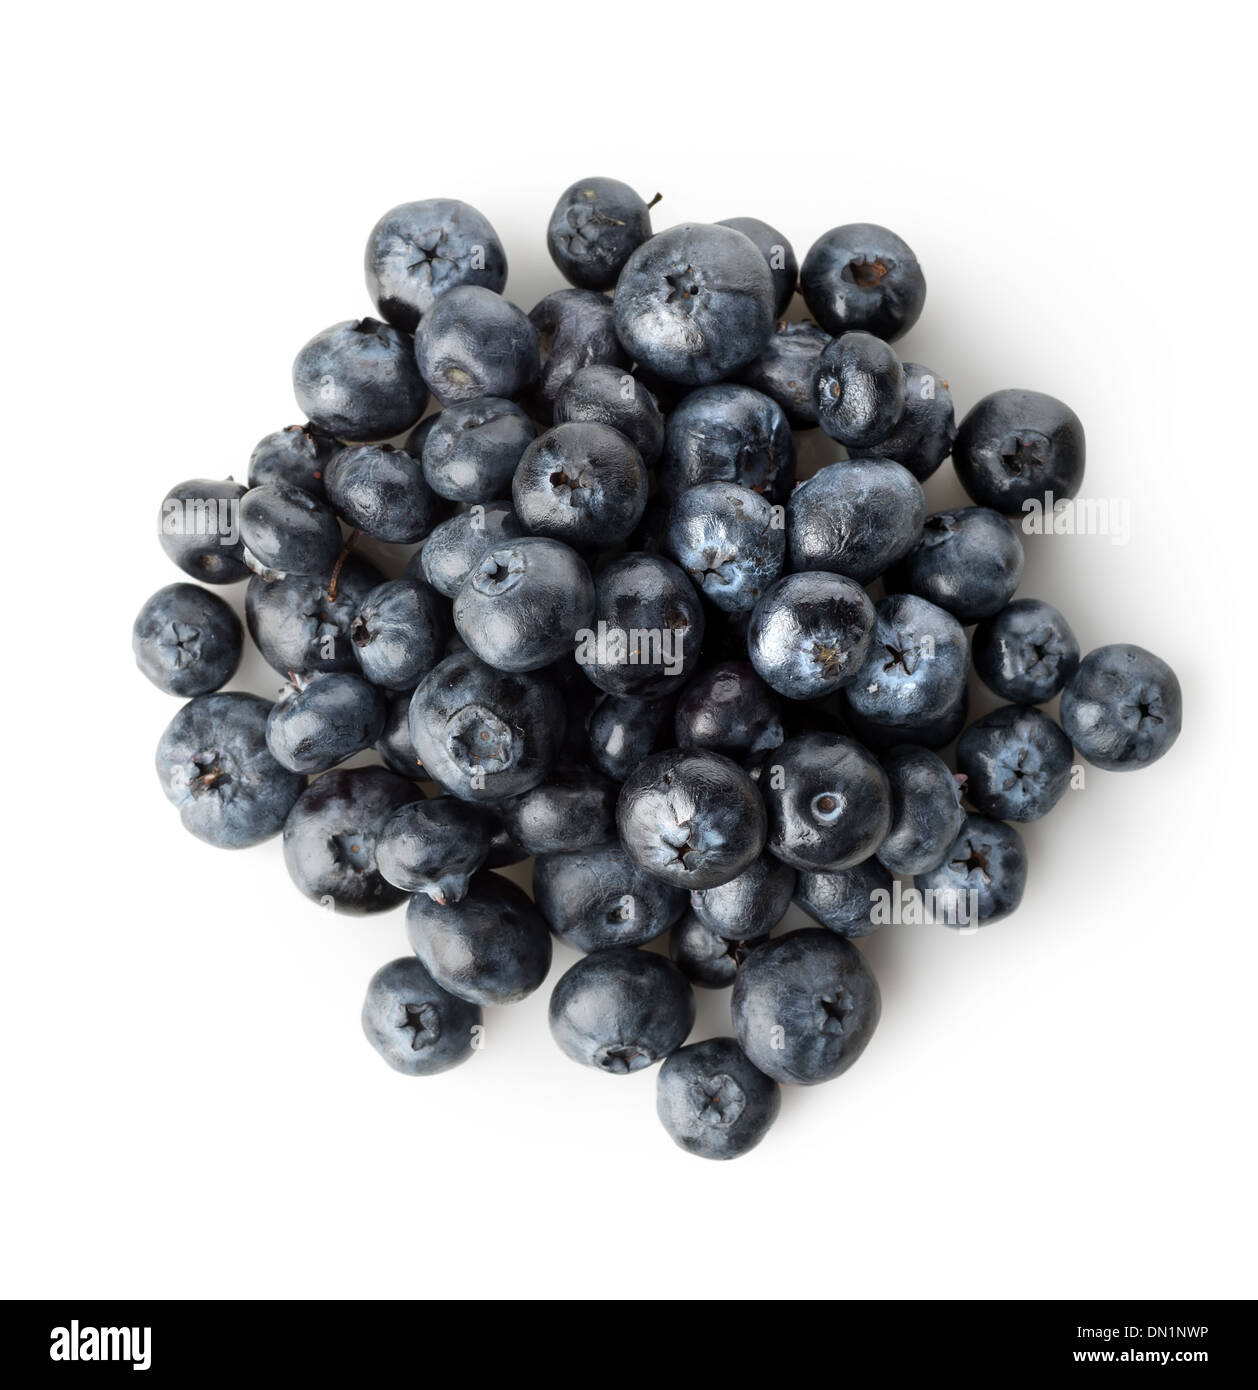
[[787, 369], [859, 390], [595, 227], [809, 634], [358, 381], [854, 518], [1016, 762], [1122, 708], [729, 540], [199, 529], [728, 434], [1027, 652], [414, 1024], [729, 709], [598, 897], [399, 633], [454, 547], [322, 719], [609, 395], [584, 484], [186, 640], [712, 1102], [576, 329], [926, 811], [471, 453], [434, 846], [472, 342], [299, 625], [982, 876], [1016, 447], [863, 276], [968, 561]]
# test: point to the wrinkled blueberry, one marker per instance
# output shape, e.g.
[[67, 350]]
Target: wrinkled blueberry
[[573, 810], [749, 906], [297, 455], [298, 627], [1016, 762], [596, 226], [576, 329], [704, 958], [381, 491], [729, 540], [854, 518], [923, 438], [580, 483], [1027, 652], [287, 531], [809, 634], [859, 390], [728, 434], [982, 876]]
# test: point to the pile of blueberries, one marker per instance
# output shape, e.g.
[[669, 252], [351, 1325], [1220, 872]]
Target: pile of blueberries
[[631, 646]]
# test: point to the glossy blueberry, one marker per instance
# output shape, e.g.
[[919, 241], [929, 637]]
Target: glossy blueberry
[[394, 745], [622, 732], [786, 371], [729, 540], [598, 897], [434, 846], [574, 809], [399, 633], [358, 381], [322, 719], [216, 770], [982, 876], [584, 484], [297, 455], [523, 604], [805, 1005], [381, 491], [1027, 652], [1016, 447], [489, 947], [847, 900], [576, 329], [855, 518], [485, 734], [810, 633], [472, 342], [712, 1102], [287, 531], [621, 1010], [859, 390], [471, 453], [923, 438], [609, 395], [778, 255], [186, 640], [414, 1024], [728, 434], [705, 959], [748, 907], [968, 561], [862, 276], [729, 709], [926, 812], [693, 818], [694, 304], [199, 528], [454, 547], [330, 838], [297, 627], [1122, 708], [596, 226], [1016, 762], [418, 251]]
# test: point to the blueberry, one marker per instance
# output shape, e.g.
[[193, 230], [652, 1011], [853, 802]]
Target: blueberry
[[215, 768], [1016, 762], [730, 434], [609, 395], [454, 547], [926, 813], [692, 818], [598, 897], [729, 540], [694, 304], [923, 438], [787, 369], [186, 640], [576, 329], [1122, 708], [297, 455], [854, 518], [322, 719], [471, 453], [580, 483], [298, 627], [861, 276], [524, 603], [574, 810], [358, 381], [704, 958], [624, 731], [330, 838], [596, 226], [729, 709], [485, 734], [967, 561], [1016, 447], [199, 528], [287, 531], [434, 846], [414, 1024], [859, 390], [381, 491], [472, 342], [490, 947], [399, 632], [805, 1005], [394, 745], [621, 1010], [1027, 652], [809, 634], [828, 800], [749, 906], [713, 1102], [982, 876], [418, 251], [844, 899], [778, 255]]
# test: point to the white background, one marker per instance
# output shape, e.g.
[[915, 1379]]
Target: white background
[[1062, 1105]]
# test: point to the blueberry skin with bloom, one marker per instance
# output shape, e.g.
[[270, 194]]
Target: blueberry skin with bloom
[[748, 907], [576, 329], [608, 395], [621, 1010], [694, 819], [322, 719], [1027, 652], [988, 860], [844, 900], [399, 633], [198, 527], [434, 846], [472, 342], [580, 483], [490, 947], [855, 518], [712, 1102], [810, 633], [186, 640], [623, 731], [858, 390], [453, 548], [297, 455], [1019, 446], [358, 381], [694, 304], [862, 276], [596, 225], [924, 436], [287, 531], [414, 1024], [485, 734], [967, 561], [786, 371], [728, 434], [926, 811], [394, 745], [382, 492], [805, 1005], [522, 606], [729, 709], [216, 770], [1016, 762], [729, 541], [418, 251], [828, 800], [778, 254], [1122, 708], [704, 958], [575, 809], [471, 453], [598, 897], [297, 627]]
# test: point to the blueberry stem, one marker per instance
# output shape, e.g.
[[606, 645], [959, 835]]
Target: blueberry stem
[[340, 560]]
